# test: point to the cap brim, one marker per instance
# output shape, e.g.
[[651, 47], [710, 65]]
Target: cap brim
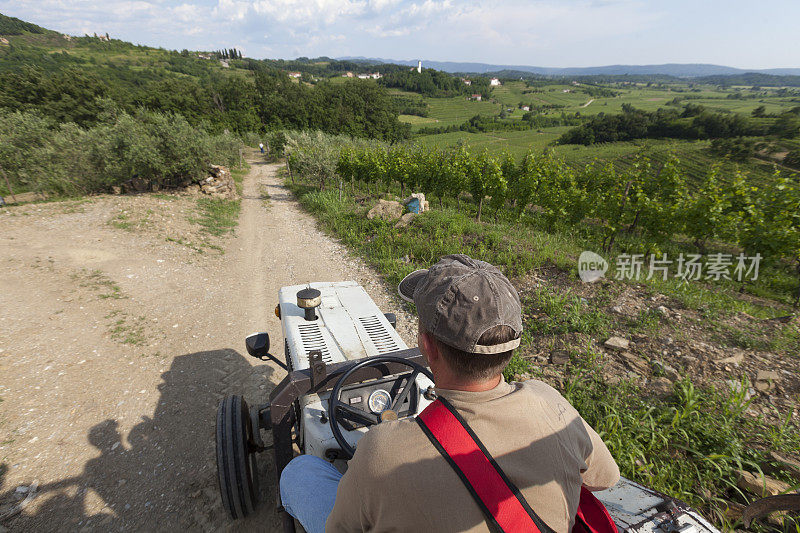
[[409, 284]]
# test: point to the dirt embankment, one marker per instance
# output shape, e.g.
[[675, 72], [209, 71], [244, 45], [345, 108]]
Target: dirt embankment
[[121, 326]]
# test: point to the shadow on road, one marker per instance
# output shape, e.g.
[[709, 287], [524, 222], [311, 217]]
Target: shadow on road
[[162, 474]]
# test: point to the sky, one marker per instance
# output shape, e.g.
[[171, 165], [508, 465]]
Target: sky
[[548, 33]]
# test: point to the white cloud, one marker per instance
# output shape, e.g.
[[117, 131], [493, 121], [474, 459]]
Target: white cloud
[[231, 9], [543, 32]]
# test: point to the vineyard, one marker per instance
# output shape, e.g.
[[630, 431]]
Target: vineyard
[[645, 206]]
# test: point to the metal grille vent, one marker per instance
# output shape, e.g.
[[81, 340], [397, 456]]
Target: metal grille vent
[[381, 338], [312, 339]]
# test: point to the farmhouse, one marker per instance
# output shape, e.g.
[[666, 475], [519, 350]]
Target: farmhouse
[[475, 97], [467, 82], [363, 76], [347, 75], [295, 74], [525, 107], [495, 82]]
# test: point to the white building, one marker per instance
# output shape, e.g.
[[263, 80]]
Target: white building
[[495, 82], [419, 67], [295, 75]]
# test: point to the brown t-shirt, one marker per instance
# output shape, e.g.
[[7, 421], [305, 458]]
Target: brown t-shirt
[[397, 480]]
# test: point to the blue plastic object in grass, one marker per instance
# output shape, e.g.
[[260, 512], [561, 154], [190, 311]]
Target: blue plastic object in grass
[[413, 205]]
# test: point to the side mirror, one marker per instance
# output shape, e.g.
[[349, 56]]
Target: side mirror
[[258, 345]]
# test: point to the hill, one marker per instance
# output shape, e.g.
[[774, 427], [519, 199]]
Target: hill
[[678, 70], [15, 26]]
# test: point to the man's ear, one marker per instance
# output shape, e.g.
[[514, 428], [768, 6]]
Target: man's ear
[[429, 347]]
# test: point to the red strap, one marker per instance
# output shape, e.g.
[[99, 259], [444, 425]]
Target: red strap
[[498, 497], [592, 515]]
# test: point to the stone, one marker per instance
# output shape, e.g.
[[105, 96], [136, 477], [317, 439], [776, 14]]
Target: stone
[[405, 220], [386, 210], [618, 310], [636, 364], [786, 463], [767, 375], [688, 360], [559, 357], [617, 343], [665, 370], [765, 380], [661, 386], [662, 310], [116, 189], [764, 386], [735, 359], [759, 484]]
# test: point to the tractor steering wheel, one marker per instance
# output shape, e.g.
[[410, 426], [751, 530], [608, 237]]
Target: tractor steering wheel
[[337, 408]]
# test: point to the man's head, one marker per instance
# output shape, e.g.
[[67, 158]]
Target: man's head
[[470, 316]]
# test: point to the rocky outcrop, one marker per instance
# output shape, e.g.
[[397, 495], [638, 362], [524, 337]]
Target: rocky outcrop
[[219, 184]]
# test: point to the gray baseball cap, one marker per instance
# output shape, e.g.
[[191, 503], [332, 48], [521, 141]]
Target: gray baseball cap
[[459, 298]]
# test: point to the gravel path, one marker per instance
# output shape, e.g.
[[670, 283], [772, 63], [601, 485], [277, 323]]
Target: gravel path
[[121, 328]]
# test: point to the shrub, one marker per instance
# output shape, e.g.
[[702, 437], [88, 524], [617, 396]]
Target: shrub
[[160, 149]]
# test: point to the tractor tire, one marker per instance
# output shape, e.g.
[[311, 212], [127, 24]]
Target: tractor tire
[[236, 458]]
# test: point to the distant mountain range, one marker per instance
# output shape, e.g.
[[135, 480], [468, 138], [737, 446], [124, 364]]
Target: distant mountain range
[[679, 70]]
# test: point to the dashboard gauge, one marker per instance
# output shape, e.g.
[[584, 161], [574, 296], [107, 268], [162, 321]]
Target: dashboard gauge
[[379, 401]]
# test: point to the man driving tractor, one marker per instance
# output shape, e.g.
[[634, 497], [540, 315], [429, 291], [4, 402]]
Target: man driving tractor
[[487, 455]]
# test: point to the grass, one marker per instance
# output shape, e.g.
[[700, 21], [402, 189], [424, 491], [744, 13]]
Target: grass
[[217, 216], [97, 280], [687, 444], [126, 330], [415, 120], [121, 221]]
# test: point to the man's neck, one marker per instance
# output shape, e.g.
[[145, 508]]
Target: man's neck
[[449, 383]]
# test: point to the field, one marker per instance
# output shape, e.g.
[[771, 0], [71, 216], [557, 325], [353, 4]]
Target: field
[[639, 96], [556, 100], [516, 142]]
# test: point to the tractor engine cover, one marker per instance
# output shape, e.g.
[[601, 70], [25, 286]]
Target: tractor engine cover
[[347, 324]]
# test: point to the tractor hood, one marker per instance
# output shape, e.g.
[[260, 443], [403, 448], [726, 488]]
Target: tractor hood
[[346, 324]]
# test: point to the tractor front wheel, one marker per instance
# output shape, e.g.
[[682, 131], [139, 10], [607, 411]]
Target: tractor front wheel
[[236, 461]]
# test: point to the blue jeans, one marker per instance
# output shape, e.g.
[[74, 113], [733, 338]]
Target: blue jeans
[[308, 490]]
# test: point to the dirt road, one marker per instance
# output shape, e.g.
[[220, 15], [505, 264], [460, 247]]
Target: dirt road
[[121, 327]]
